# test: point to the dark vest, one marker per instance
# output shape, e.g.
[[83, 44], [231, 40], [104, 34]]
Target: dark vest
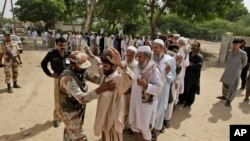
[[67, 101]]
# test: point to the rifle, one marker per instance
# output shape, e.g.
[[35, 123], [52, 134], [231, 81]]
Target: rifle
[[11, 54]]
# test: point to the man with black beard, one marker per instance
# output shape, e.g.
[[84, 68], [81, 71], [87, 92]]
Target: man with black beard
[[192, 76], [73, 95], [109, 119]]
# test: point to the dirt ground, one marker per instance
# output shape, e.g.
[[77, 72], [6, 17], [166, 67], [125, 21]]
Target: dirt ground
[[27, 114]]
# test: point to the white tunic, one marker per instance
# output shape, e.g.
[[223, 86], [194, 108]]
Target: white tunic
[[164, 94], [143, 114], [184, 65]]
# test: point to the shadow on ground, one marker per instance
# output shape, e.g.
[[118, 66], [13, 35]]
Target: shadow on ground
[[27, 133], [220, 112], [182, 114], [245, 107]]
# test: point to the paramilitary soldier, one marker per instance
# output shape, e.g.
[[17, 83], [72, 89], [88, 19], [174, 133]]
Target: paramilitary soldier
[[12, 59], [73, 95]]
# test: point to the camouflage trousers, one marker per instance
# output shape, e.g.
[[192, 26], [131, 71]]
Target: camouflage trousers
[[10, 70], [73, 122]]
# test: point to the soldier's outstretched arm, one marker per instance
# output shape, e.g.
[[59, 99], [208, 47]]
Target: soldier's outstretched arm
[[70, 86], [92, 77]]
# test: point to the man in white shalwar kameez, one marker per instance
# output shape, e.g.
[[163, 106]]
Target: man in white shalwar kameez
[[131, 62], [167, 66], [123, 47], [183, 51], [144, 95]]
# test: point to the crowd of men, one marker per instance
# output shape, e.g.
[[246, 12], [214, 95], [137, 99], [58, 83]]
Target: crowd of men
[[140, 81]]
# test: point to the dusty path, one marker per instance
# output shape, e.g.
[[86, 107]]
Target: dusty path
[[26, 115]]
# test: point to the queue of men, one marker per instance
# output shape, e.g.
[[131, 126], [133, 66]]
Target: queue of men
[[137, 92]]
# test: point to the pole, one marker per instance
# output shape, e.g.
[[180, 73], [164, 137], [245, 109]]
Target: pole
[[1, 24], [14, 21]]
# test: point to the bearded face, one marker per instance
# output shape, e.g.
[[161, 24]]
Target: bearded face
[[108, 69], [142, 60], [142, 64]]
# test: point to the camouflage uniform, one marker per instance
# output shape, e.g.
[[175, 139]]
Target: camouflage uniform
[[10, 52], [73, 99]]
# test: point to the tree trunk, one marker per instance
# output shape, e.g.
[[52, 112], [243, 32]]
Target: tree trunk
[[153, 28], [90, 9], [14, 20], [113, 29], [73, 26]]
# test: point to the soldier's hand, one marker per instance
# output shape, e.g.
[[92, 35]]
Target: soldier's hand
[[106, 86]]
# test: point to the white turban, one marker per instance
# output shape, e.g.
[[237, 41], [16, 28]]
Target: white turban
[[132, 48], [159, 41], [144, 49]]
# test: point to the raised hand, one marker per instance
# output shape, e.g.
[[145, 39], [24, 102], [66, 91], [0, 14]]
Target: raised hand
[[116, 57], [89, 52]]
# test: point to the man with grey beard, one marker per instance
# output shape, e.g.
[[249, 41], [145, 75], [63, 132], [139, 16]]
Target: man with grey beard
[[167, 66], [131, 62], [144, 92]]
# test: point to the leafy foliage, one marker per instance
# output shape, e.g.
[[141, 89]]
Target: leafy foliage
[[48, 11]]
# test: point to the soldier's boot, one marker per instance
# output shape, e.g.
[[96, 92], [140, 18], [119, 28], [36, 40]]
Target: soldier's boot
[[15, 85], [9, 88]]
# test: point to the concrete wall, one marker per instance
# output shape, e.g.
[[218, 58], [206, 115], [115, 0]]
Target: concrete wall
[[226, 45], [68, 27]]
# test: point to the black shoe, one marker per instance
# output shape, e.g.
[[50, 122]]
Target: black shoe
[[1, 65], [9, 89], [242, 88], [15, 85], [166, 123], [129, 131], [246, 99], [162, 129], [228, 103], [55, 123], [154, 136], [221, 97]]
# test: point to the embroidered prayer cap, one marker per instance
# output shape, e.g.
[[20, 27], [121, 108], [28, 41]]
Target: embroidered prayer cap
[[132, 48], [80, 59], [177, 35], [159, 41], [144, 49]]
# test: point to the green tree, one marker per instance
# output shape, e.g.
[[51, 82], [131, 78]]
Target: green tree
[[48, 11], [237, 10], [127, 12]]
